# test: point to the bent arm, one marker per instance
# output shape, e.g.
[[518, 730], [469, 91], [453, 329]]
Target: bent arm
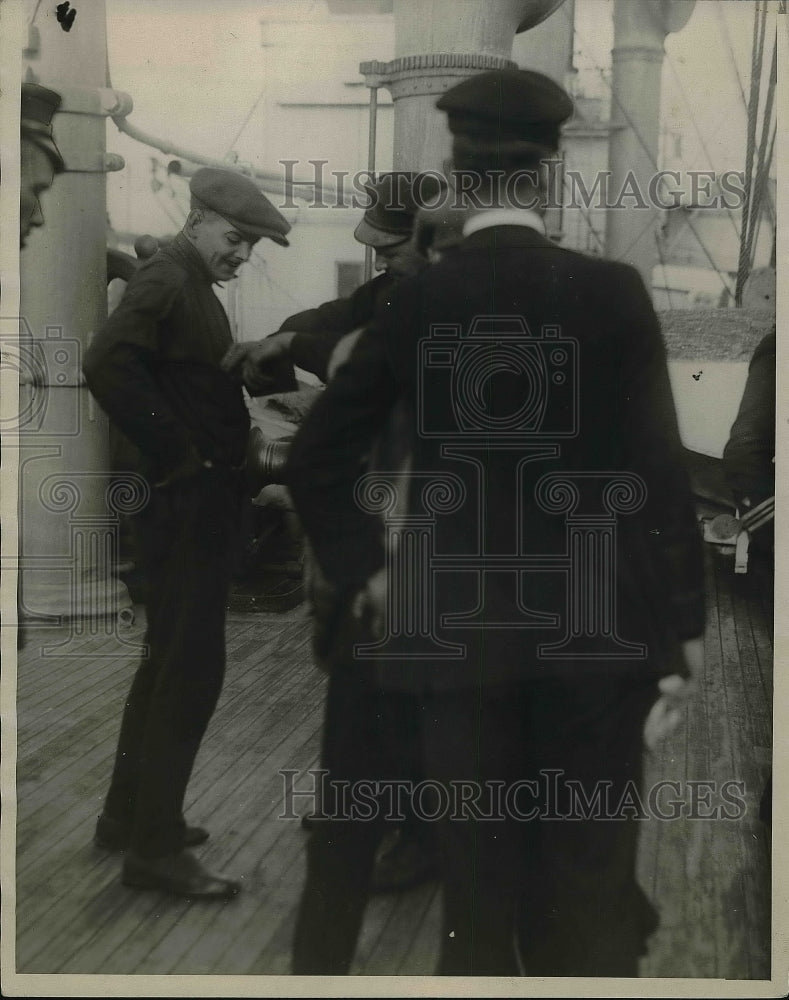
[[328, 455], [120, 366]]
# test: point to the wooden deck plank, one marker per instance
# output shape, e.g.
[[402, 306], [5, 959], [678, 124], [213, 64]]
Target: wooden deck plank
[[422, 954], [390, 954], [260, 861], [284, 724], [242, 793], [709, 878], [222, 949]]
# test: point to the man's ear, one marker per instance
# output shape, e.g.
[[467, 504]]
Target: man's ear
[[193, 220]]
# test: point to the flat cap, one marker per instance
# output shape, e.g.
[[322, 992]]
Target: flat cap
[[395, 198], [239, 201], [507, 106], [39, 105]]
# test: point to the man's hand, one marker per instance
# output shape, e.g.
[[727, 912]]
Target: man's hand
[[370, 603], [251, 362], [675, 694], [342, 351]]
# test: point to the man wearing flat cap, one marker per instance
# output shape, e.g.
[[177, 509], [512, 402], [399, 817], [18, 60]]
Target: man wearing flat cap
[[155, 369], [40, 158], [518, 360], [317, 340], [308, 339]]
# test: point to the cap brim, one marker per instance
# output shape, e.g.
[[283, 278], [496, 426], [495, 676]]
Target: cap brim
[[48, 145], [277, 238], [256, 234], [373, 237]]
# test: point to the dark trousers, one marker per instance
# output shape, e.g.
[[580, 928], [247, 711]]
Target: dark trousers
[[564, 886], [187, 540]]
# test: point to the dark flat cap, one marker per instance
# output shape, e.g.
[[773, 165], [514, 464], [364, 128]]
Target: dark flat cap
[[507, 105], [238, 200], [395, 198], [39, 105]]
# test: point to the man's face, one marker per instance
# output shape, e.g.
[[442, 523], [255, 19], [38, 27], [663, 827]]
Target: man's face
[[222, 247], [402, 260], [37, 173]]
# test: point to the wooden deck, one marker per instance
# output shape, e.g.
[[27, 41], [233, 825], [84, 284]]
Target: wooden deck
[[709, 878]]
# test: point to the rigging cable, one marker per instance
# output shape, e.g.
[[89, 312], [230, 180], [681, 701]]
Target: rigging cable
[[648, 151], [246, 121], [727, 38], [700, 137], [762, 162], [753, 111]]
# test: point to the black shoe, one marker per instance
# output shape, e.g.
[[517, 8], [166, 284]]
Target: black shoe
[[180, 874], [115, 836], [402, 862]]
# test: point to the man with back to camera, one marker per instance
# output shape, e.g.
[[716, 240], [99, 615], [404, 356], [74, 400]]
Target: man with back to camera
[[528, 891], [155, 369]]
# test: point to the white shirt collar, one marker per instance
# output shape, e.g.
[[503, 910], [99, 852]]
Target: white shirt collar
[[503, 217]]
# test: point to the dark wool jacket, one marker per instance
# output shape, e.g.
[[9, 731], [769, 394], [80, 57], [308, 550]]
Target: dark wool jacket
[[590, 409], [319, 330], [155, 367]]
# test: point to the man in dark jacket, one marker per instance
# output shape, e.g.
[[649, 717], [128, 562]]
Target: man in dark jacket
[[543, 647], [748, 458], [310, 339], [307, 339], [155, 369]]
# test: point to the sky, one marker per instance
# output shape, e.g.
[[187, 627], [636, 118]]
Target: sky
[[194, 69]]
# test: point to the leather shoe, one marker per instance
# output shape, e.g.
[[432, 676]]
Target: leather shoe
[[115, 836], [180, 874]]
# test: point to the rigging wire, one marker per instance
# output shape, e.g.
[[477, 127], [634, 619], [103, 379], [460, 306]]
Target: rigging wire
[[762, 163], [760, 186], [662, 258], [697, 130], [247, 120], [727, 38], [645, 147], [586, 216], [753, 111]]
